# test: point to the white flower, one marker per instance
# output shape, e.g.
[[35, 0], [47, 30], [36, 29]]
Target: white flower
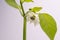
[[32, 17]]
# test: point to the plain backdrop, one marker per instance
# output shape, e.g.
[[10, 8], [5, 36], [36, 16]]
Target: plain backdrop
[[11, 22]]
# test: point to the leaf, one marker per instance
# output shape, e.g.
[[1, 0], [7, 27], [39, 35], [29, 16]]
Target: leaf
[[12, 3], [48, 25], [21, 1], [35, 9], [26, 1]]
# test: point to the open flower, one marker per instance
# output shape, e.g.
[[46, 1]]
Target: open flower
[[32, 17]]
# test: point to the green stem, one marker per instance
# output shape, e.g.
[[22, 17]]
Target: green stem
[[24, 25], [22, 8], [24, 29]]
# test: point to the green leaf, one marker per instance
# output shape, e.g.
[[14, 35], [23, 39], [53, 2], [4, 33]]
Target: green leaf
[[12, 3], [48, 25], [21, 1], [26, 1], [35, 9]]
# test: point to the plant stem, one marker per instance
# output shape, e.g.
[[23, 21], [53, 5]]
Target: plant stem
[[24, 25], [24, 29], [22, 8]]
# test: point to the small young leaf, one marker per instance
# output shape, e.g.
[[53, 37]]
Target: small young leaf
[[28, 0], [35, 9], [48, 25], [12, 3]]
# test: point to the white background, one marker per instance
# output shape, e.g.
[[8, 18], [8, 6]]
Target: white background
[[11, 22]]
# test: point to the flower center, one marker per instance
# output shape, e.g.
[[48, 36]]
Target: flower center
[[32, 18]]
